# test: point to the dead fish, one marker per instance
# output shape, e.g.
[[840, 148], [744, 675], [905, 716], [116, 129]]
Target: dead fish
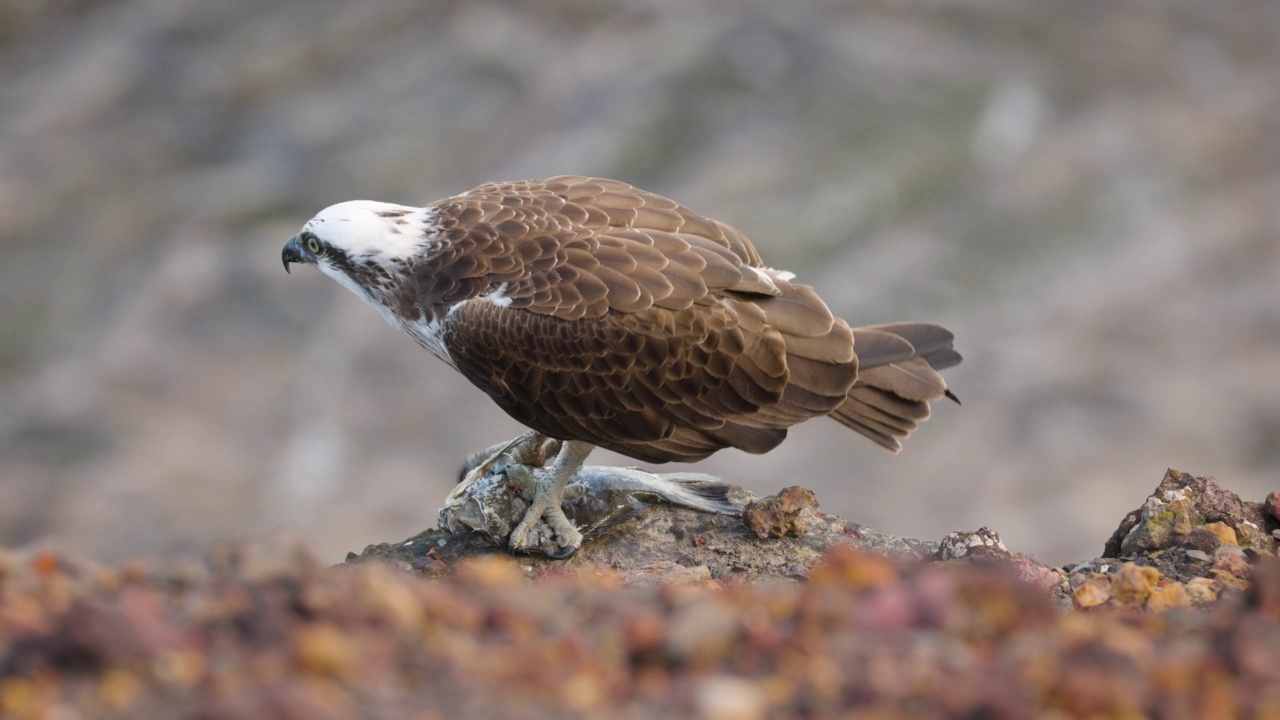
[[493, 496]]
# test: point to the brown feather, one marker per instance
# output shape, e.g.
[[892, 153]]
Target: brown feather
[[893, 424], [925, 337], [910, 379], [751, 439], [657, 218], [880, 348], [942, 358], [857, 424], [889, 403], [834, 347], [798, 311]]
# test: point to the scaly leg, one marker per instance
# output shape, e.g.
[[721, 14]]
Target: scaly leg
[[531, 448], [547, 498]]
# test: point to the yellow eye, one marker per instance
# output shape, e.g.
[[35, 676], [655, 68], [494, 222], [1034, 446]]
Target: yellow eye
[[313, 245]]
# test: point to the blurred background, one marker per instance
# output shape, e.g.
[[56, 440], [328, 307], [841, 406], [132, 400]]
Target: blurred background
[[1087, 193]]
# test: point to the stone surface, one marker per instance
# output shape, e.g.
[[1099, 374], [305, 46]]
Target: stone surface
[[983, 541], [1271, 506], [1183, 533], [661, 537], [1184, 503], [1190, 543]]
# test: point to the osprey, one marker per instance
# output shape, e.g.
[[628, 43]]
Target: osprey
[[599, 314]]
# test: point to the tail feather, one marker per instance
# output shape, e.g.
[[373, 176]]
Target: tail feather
[[787, 359], [890, 403], [890, 423], [924, 337], [931, 342], [942, 359], [852, 420], [896, 383], [911, 379], [875, 347]]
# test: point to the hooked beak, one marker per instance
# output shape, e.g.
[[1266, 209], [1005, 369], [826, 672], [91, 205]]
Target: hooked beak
[[292, 253]]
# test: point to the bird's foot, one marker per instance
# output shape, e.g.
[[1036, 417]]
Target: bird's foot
[[529, 535], [548, 494]]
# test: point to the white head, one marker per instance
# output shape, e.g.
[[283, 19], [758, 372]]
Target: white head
[[362, 230], [364, 245]]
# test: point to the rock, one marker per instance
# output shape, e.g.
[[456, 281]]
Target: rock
[[1223, 532], [786, 514], [1029, 570], [662, 541], [1271, 506], [1183, 539], [1134, 584], [1202, 590], [858, 570], [1197, 555], [1168, 597], [1180, 505], [1231, 565], [699, 630], [1141, 587], [1204, 540], [1191, 540], [983, 541], [1094, 592], [325, 650], [667, 572], [985, 544], [725, 697]]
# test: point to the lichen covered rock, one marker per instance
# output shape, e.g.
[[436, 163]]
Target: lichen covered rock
[[1183, 504], [1191, 543]]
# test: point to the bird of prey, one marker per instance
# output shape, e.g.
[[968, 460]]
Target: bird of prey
[[598, 314]]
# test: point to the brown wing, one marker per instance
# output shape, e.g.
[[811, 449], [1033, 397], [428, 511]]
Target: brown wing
[[621, 318]]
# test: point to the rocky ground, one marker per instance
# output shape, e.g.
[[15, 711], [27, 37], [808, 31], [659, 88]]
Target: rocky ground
[[671, 615], [1083, 191]]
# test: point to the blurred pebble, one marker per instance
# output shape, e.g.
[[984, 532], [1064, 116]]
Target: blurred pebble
[[725, 697]]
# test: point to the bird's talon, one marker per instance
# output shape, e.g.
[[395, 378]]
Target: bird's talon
[[530, 537], [564, 553]]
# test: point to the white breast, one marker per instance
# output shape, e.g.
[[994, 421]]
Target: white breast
[[430, 335]]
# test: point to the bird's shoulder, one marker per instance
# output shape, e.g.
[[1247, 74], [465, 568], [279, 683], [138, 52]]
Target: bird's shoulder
[[589, 206], [578, 247]]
